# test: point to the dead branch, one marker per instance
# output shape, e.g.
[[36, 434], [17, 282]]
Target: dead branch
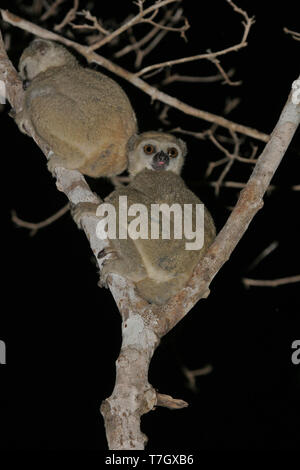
[[230, 156], [133, 21], [270, 282], [155, 33], [96, 26], [52, 10], [155, 94], [225, 75], [209, 55], [266, 252], [295, 35], [176, 77], [34, 9], [191, 375], [162, 32], [34, 227], [68, 18]]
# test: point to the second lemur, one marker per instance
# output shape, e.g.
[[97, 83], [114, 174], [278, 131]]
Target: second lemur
[[160, 268]]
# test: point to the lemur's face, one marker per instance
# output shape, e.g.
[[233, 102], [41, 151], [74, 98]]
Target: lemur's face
[[156, 151]]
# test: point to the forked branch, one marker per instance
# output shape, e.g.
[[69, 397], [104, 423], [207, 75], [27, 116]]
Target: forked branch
[[93, 57], [143, 324]]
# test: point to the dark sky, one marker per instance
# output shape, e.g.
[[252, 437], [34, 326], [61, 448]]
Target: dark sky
[[62, 332]]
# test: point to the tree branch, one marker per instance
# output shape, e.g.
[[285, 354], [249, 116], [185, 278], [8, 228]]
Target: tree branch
[[155, 94], [270, 282], [133, 21], [209, 55], [142, 324]]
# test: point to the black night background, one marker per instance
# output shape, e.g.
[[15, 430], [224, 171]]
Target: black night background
[[62, 333]]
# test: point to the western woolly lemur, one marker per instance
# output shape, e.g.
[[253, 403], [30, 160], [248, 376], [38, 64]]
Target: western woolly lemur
[[83, 116], [158, 267]]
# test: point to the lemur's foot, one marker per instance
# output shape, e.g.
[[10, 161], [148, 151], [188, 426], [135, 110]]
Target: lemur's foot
[[82, 209], [109, 265], [54, 162]]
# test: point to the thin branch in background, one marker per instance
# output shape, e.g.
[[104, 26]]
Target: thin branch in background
[[171, 17], [209, 55], [169, 402], [155, 94], [52, 10], [95, 26], [230, 157], [224, 74], [198, 135], [266, 252], [163, 115], [70, 16], [142, 53], [133, 21], [181, 30], [191, 375], [136, 45], [230, 105], [270, 282], [34, 227], [176, 77], [295, 35], [34, 9]]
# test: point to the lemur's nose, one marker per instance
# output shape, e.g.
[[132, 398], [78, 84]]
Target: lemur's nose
[[161, 158]]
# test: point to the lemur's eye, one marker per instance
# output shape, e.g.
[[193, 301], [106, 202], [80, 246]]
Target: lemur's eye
[[149, 149], [172, 152]]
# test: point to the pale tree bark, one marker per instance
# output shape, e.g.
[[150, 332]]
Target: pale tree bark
[[143, 324]]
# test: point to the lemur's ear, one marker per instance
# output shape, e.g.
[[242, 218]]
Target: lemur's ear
[[131, 142], [183, 147]]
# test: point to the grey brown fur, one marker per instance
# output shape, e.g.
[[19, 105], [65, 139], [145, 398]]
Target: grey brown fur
[[158, 267], [84, 116]]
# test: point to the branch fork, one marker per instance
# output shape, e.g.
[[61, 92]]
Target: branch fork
[[144, 324]]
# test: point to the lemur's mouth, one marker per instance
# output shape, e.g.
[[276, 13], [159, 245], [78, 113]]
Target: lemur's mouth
[[160, 161]]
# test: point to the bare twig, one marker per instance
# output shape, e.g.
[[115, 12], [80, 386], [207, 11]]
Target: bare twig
[[209, 55], [230, 157], [191, 375], [181, 29], [136, 45], [133, 21], [168, 402], [176, 77], [142, 53], [155, 94], [68, 18], [225, 75], [263, 254], [34, 227], [295, 35], [34, 9], [52, 10], [96, 26], [270, 282]]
